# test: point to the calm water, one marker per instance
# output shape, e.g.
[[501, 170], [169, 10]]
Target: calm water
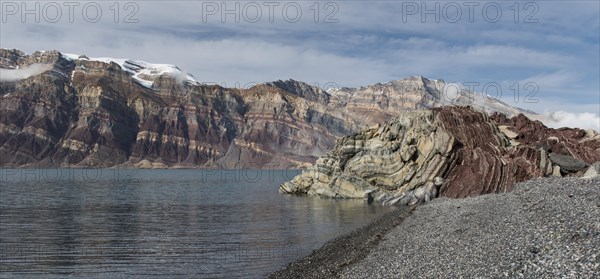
[[161, 223]]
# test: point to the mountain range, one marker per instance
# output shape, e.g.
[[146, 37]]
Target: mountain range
[[67, 110]]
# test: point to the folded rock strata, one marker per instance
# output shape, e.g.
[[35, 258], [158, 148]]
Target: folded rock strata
[[449, 151], [575, 143]]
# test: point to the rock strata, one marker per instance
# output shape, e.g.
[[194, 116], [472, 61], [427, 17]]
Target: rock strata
[[573, 142], [82, 112], [78, 111], [450, 151]]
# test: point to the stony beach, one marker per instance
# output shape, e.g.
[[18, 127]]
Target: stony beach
[[545, 228]]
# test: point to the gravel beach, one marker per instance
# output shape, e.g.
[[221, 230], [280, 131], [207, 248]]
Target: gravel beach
[[545, 228]]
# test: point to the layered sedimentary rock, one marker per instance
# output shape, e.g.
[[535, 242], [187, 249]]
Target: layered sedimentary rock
[[450, 151], [77, 111], [286, 123], [59, 110], [391, 162], [578, 143], [382, 101]]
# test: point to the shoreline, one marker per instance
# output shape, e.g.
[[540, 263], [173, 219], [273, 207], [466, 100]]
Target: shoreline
[[544, 228], [340, 252]]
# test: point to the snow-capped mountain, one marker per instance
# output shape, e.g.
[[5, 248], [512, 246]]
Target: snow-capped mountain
[[419, 92], [143, 72]]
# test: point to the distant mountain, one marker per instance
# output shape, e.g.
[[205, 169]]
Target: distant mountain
[[380, 102], [59, 110]]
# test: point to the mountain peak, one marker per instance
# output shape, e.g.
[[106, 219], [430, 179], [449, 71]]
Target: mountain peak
[[299, 88]]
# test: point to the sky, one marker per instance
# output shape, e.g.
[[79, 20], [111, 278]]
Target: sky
[[543, 55]]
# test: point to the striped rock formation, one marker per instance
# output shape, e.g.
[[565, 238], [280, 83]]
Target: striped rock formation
[[449, 151]]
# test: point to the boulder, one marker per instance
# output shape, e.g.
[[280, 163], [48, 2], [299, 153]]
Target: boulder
[[556, 171], [567, 163], [593, 171]]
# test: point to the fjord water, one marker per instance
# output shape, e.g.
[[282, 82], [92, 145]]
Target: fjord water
[[109, 223]]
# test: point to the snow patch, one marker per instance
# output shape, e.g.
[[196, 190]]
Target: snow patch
[[70, 56], [142, 71]]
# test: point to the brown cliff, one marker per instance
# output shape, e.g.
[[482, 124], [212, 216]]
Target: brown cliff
[[84, 112]]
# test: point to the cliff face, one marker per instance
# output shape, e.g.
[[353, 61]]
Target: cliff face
[[98, 113], [450, 151], [285, 124], [93, 114]]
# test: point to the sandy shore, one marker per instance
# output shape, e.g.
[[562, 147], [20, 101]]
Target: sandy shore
[[546, 228]]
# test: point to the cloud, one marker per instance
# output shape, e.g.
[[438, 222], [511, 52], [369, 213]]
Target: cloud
[[561, 119], [560, 83], [23, 73], [180, 77], [554, 80], [370, 43]]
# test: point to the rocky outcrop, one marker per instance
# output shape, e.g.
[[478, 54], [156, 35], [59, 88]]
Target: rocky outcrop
[[574, 142], [571, 150], [389, 163], [449, 151]]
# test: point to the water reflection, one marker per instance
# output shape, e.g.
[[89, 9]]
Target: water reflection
[[157, 223]]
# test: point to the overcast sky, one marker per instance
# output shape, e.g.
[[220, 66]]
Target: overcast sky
[[553, 44]]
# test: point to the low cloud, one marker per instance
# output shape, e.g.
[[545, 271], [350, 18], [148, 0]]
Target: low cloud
[[561, 119], [23, 73], [181, 77]]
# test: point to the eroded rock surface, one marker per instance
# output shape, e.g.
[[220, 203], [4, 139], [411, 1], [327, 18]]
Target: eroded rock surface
[[449, 151]]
